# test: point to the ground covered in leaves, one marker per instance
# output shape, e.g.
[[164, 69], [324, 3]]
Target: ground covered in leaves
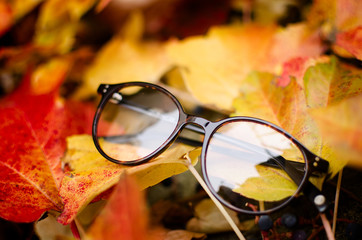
[[296, 64]]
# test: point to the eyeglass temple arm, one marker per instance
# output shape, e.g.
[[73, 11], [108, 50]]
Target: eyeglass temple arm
[[311, 191]]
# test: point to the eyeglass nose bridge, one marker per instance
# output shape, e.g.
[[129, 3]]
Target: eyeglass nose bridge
[[205, 124]]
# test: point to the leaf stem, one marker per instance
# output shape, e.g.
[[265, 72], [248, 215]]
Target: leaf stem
[[217, 203]]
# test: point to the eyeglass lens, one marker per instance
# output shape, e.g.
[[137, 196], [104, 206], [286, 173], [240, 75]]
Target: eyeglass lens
[[135, 122], [247, 164]]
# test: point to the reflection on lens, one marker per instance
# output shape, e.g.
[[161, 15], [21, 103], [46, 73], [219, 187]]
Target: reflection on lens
[[249, 164], [135, 122]]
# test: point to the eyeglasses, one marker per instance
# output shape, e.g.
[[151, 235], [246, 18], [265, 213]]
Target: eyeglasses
[[250, 165]]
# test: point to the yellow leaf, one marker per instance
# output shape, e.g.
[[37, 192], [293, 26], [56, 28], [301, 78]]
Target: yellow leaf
[[271, 185], [183, 235], [215, 65], [49, 75], [91, 174], [340, 126], [126, 59], [58, 23], [208, 219], [22, 7]]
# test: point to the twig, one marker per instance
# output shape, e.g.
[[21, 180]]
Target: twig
[[327, 227], [336, 201], [217, 203]]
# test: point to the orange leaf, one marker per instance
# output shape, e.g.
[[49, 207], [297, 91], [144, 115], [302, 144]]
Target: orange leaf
[[28, 187], [215, 76], [91, 174], [32, 131], [340, 125], [6, 16], [324, 85], [124, 216], [351, 41]]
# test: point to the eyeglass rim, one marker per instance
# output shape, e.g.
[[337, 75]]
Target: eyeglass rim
[[107, 90], [276, 128]]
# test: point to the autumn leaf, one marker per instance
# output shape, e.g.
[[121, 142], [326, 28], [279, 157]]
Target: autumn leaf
[[339, 21], [7, 17], [296, 67], [33, 131], [126, 58], [271, 185], [184, 235], [58, 23], [323, 84], [340, 126], [28, 186], [331, 82], [91, 174], [351, 41], [216, 64], [125, 216], [12, 11], [208, 219], [261, 97], [215, 76]]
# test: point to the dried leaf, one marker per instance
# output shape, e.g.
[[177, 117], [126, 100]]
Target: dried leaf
[[126, 58], [215, 66], [56, 67], [124, 216], [339, 21], [351, 41], [294, 41], [184, 235], [208, 219], [296, 67], [261, 97], [340, 126], [6, 17], [92, 174], [12, 11], [331, 82], [33, 145], [324, 84], [58, 23], [271, 185], [49, 228], [28, 186]]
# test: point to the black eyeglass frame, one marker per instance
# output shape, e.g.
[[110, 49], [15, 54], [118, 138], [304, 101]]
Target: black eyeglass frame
[[313, 163]]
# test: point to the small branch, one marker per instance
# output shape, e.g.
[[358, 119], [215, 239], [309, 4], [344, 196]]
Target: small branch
[[217, 203], [336, 201], [327, 227]]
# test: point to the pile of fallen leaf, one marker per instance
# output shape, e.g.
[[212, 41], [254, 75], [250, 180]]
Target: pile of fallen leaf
[[299, 69]]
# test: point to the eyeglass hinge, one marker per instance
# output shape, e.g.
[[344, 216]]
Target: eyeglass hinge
[[103, 88]]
